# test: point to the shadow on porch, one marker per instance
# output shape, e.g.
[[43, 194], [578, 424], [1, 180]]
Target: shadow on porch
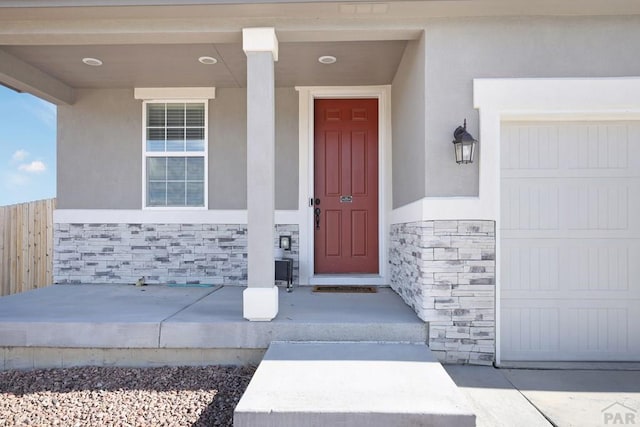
[[120, 325]]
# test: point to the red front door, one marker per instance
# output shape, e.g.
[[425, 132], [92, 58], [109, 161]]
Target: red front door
[[346, 185]]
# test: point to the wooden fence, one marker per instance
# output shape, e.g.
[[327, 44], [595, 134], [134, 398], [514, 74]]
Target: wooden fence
[[26, 246]]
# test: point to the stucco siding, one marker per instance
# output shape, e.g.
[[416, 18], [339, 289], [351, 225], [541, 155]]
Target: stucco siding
[[408, 125], [99, 151], [228, 149], [459, 50], [286, 148]]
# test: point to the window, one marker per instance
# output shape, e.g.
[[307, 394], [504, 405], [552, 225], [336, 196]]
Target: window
[[175, 154]]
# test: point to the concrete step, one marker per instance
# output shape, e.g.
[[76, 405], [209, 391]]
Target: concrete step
[[309, 384]]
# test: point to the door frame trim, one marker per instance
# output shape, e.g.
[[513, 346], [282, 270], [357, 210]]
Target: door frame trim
[[307, 95]]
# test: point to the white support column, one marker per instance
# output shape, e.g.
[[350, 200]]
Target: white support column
[[260, 299]]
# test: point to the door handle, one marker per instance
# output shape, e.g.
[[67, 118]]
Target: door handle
[[316, 212]]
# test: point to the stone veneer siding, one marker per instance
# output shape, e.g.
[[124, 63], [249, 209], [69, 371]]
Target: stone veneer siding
[[445, 270], [162, 253]]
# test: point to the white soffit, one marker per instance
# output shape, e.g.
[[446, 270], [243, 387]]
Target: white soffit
[[147, 93]]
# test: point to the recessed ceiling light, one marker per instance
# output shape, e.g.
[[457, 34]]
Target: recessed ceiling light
[[327, 59], [94, 62], [208, 60]]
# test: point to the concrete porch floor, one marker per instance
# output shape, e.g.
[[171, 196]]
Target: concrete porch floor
[[68, 325]]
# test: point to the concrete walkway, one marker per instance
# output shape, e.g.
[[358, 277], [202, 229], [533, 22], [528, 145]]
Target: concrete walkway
[[528, 397], [351, 384]]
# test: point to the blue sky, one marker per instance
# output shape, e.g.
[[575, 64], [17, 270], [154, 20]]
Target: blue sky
[[27, 148]]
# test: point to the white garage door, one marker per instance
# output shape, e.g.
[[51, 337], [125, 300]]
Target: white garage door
[[570, 241]]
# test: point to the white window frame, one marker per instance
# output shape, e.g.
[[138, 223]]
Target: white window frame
[[146, 154]]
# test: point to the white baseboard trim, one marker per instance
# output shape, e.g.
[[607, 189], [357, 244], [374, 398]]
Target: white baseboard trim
[[140, 216], [443, 209]]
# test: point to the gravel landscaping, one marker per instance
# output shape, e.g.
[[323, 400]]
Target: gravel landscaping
[[105, 396]]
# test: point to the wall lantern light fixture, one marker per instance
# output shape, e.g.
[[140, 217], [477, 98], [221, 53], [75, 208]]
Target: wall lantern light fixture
[[464, 144]]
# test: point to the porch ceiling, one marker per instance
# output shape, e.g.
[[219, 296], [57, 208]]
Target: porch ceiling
[[166, 65], [156, 42]]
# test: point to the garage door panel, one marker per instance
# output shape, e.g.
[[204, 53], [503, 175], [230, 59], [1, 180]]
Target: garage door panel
[[568, 173], [570, 264], [570, 250], [530, 205], [597, 267], [564, 301], [531, 147], [597, 330], [530, 330], [596, 145], [569, 204], [597, 206], [530, 268], [577, 235], [570, 147], [537, 332]]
